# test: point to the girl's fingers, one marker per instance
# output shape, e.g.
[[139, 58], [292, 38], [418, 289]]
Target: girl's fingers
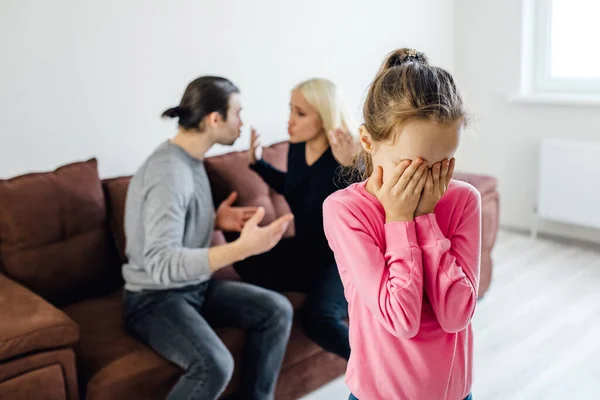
[[429, 182], [416, 178], [450, 171], [422, 182], [444, 175], [397, 173], [402, 176], [436, 170]]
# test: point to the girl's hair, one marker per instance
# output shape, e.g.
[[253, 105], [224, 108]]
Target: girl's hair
[[324, 96], [202, 97], [407, 88]]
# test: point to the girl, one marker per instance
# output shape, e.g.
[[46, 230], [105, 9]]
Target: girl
[[319, 127], [406, 240]]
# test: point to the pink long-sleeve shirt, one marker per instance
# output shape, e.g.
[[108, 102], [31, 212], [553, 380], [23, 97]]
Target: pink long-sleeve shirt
[[411, 289]]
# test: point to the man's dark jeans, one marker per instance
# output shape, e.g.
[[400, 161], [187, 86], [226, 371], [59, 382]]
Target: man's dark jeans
[[178, 324]]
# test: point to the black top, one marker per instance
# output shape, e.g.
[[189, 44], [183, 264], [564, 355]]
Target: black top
[[305, 188]]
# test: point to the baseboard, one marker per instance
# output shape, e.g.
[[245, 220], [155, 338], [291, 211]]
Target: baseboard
[[588, 244]]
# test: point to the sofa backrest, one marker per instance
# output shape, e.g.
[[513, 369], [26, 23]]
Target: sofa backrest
[[230, 172], [115, 190], [54, 235]]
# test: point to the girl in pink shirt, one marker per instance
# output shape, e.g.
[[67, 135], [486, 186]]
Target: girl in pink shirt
[[407, 240]]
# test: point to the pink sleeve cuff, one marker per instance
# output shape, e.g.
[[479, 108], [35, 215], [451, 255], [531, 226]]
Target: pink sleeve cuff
[[428, 230], [401, 235]]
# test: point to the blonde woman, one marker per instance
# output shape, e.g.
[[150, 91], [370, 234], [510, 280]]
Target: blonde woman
[[321, 140]]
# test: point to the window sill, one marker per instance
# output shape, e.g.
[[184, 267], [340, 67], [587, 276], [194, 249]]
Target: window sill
[[555, 99]]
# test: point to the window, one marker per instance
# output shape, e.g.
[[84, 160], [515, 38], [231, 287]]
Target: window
[[560, 51]]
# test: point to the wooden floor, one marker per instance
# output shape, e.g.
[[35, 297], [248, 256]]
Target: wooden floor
[[537, 330]]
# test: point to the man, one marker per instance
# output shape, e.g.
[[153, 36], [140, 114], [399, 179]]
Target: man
[[171, 303]]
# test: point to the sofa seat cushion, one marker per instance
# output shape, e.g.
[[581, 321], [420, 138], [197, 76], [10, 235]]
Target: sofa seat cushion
[[54, 235], [297, 299], [103, 339], [112, 360], [116, 365]]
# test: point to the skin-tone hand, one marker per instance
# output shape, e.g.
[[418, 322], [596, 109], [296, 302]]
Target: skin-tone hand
[[255, 239], [400, 193], [255, 152], [231, 218], [438, 179], [343, 146]]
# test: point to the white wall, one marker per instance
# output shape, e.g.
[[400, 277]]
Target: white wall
[[91, 78], [505, 135]]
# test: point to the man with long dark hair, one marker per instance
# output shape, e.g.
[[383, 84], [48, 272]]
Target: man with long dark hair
[[170, 301]]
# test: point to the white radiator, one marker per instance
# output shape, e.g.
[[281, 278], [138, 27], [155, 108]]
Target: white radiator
[[569, 183]]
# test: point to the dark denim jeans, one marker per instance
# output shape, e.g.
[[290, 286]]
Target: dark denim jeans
[[178, 324], [323, 313], [469, 397]]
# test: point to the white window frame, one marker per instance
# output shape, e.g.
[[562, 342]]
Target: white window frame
[[537, 83]]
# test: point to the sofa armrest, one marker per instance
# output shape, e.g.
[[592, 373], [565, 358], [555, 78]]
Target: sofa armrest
[[30, 324], [490, 220], [485, 184]]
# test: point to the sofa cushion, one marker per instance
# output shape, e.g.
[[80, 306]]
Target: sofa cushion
[[54, 235], [109, 358], [483, 183], [490, 218], [46, 383], [115, 190], [103, 337], [13, 373], [116, 365], [28, 324], [230, 172]]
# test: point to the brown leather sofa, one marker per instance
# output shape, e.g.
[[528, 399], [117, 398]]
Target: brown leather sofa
[[61, 249]]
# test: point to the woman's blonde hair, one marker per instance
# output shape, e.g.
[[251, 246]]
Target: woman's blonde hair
[[326, 98]]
